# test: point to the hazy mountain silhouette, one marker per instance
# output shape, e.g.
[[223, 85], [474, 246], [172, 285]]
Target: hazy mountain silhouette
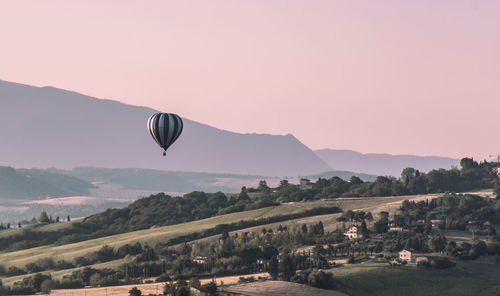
[[50, 127], [33, 183], [382, 164]]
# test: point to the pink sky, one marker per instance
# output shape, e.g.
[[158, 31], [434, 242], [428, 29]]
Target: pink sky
[[402, 77]]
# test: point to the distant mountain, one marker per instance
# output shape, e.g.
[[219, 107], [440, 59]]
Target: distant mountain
[[50, 127], [183, 182], [382, 164], [165, 181], [28, 184]]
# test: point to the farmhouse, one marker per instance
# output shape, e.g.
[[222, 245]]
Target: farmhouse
[[353, 232], [412, 257], [200, 259], [408, 256]]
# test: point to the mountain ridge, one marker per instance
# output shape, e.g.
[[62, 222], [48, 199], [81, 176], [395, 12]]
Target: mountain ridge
[[382, 163], [65, 129]]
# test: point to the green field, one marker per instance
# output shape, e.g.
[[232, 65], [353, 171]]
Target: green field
[[467, 278]]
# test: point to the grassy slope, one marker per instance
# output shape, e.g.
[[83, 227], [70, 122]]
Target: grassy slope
[[151, 236], [154, 235], [468, 278]]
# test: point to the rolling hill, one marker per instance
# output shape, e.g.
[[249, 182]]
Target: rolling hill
[[171, 181], [33, 183], [49, 127]]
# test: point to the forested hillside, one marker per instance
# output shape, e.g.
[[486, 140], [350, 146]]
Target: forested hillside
[[33, 183]]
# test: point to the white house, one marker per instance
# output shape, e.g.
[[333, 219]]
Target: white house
[[353, 232], [200, 259]]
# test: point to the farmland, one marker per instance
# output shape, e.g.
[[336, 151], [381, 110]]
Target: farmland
[[478, 277], [148, 236], [346, 277]]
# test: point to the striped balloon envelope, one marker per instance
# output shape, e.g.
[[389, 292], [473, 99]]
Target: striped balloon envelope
[[165, 128]]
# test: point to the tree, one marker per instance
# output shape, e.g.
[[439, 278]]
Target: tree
[[211, 288], [273, 267], [350, 215], [243, 196], [263, 186], [384, 215], [47, 286], [69, 219], [320, 228], [321, 279], [364, 229], [304, 228], [105, 253], [284, 183], [169, 288], [496, 190], [57, 219], [287, 267], [381, 226], [225, 235], [135, 292], [407, 174], [428, 227], [355, 181], [44, 218], [95, 279], [182, 289], [437, 243], [468, 163], [194, 282], [369, 217]]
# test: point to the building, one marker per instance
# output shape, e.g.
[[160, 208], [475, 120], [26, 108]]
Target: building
[[406, 255], [200, 259], [353, 232], [394, 228], [421, 259], [412, 257], [305, 184], [473, 225]]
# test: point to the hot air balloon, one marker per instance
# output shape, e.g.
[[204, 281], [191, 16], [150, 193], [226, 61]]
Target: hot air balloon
[[165, 128]]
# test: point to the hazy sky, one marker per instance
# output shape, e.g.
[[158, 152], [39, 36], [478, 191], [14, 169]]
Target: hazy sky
[[406, 77]]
